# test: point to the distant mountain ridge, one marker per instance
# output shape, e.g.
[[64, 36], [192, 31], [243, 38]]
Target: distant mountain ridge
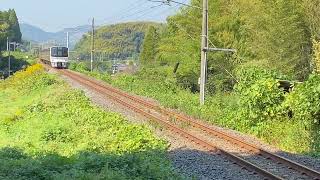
[[36, 34]]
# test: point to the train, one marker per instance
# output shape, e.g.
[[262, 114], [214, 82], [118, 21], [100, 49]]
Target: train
[[56, 57]]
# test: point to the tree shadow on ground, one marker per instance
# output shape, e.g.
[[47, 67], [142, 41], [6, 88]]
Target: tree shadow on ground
[[16, 64], [15, 164], [151, 164]]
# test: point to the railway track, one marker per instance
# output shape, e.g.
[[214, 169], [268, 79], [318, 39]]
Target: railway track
[[163, 116]]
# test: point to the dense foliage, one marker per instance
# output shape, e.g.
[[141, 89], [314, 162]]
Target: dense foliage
[[149, 48], [273, 34], [316, 56], [119, 41], [9, 27], [256, 106], [275, 40], [50, 131], [304, 104]]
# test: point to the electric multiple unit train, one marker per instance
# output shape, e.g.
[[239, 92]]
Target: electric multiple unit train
[[56, 57], [59, 57]]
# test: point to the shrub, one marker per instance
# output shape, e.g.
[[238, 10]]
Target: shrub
[[261, 101], [305, 106], [32, 78], [260, 96]]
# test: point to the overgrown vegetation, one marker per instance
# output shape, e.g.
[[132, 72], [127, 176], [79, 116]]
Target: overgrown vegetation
[[257, 105], [275, 40], [48, 130]]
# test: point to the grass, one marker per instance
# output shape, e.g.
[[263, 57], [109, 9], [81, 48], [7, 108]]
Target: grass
[[50, 131], [220, 109]]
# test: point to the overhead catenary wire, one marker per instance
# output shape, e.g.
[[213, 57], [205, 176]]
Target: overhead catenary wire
[[131, 13], [127, 10], [167, 2]]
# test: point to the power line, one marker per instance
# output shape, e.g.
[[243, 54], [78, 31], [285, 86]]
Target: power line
[[167, 2], [92, 45], [160, 12], [128, 9], [131, 12]]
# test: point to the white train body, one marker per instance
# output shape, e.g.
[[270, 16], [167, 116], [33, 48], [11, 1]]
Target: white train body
[[59, 57]]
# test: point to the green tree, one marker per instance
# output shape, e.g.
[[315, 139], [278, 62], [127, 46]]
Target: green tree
[[9, 27], [312, 14], [149, 48], [270, 34], [14, 33]]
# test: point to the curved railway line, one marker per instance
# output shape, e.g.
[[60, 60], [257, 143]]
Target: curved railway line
[[285, 168]]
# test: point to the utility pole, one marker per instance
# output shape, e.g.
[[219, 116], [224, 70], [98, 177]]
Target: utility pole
[[7, 43], [9, 58], [204, 46], [68, 42], [92, 45], [30, 44]]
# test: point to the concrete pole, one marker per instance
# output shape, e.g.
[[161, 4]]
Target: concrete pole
[[7, 43], [9, 59], [204, 46], [68, 43], [92, 45]]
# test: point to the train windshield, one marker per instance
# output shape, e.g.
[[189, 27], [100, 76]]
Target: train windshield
[[59, 52]]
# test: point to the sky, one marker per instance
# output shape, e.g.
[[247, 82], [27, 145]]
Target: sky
[[54, 15]]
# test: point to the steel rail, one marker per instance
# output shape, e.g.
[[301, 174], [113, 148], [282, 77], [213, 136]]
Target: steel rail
[[289, 163], [212, 149]]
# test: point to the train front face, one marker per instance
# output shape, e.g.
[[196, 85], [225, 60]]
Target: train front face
[[59, 57]]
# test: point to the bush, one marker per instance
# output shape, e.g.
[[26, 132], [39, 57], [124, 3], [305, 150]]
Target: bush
[[261, 101], [79, 66], [32, 78], [260, 96], [249, 75], [305, 106]]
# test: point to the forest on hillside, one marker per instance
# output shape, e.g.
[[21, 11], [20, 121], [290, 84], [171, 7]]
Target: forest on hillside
[[276, 35], [9, 27], [118, 41]]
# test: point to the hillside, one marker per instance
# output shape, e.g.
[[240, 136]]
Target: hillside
[[33, 33], [118, 41]]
